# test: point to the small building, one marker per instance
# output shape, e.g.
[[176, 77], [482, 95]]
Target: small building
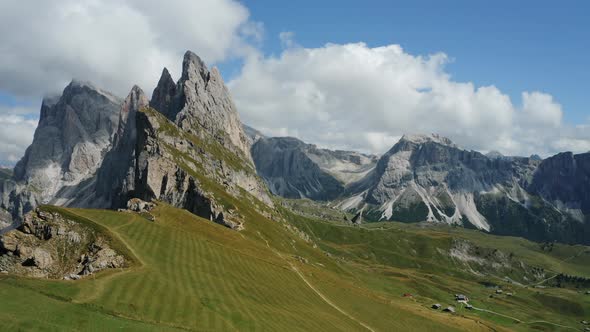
[[588, 292], [499, 291], [584, 322], [461, 297], [509, 294], [408, 295], [436, 306], [469, 306], [449, 309], [587, 329]]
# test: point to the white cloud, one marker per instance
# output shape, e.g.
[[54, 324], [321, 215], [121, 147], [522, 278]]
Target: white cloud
[[356, 97], [541, 109], [113, 43], [17, 126]]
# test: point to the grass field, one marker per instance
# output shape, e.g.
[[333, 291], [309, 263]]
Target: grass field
[[191, 274]]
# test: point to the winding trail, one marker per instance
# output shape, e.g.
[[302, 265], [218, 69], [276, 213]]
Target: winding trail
[[523, 322], [322, 296]]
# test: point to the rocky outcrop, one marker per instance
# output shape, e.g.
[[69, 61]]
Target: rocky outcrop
[[200, 104], [294, 169], [74, 133], [37, 248]]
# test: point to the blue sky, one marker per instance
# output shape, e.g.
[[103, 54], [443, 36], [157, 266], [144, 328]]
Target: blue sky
[[514, 78], [514, 45]]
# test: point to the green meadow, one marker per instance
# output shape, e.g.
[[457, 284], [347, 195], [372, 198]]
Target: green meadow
[[190, 274]]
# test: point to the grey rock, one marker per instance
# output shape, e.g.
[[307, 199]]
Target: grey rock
[[34, 254], [201, 104], [164, 95], [137, 205], [428, 178], [252, 134], [74, 132], [564, 179], [294, 169], [116, 176], [41, 258]]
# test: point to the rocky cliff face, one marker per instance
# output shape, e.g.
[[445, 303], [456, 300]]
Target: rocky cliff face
[[116, 176], [200, 104], [428, 178], [74, 133], [188, 149], [174, 166], [564, 180], [183, 154], [294, 169]]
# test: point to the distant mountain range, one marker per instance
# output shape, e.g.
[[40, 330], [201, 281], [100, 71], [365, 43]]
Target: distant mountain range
[[187, 147], [429, 178]]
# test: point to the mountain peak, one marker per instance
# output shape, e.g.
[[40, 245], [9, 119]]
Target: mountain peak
[[163, 95], [77, 85], [192, 65], [421, 139]]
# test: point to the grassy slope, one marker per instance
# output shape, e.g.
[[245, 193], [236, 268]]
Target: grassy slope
[[193, 274], [408, 255]]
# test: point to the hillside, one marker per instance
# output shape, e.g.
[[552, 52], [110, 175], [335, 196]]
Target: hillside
[[192, 274]]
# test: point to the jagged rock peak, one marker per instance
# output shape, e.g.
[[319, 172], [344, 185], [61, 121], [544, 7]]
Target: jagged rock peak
[[421, 139], [162, 97], [76, 84], [201, 104], [192, 65], [135, 101]]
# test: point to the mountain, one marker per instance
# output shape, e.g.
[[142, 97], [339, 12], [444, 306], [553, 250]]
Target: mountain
[[294, 169], [73, 135], [252, 134], [564, 180], [174, 230], [186, 147], [200, 104], [428, 178]]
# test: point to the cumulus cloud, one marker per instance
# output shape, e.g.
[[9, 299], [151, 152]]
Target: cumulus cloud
[[17, 126], [113, 43], [356, 97]]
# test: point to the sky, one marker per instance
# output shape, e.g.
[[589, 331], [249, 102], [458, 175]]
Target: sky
[[509, 76]]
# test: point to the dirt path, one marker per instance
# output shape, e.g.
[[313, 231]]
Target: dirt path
[[318, 293], [99, 283], [522, 322]]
